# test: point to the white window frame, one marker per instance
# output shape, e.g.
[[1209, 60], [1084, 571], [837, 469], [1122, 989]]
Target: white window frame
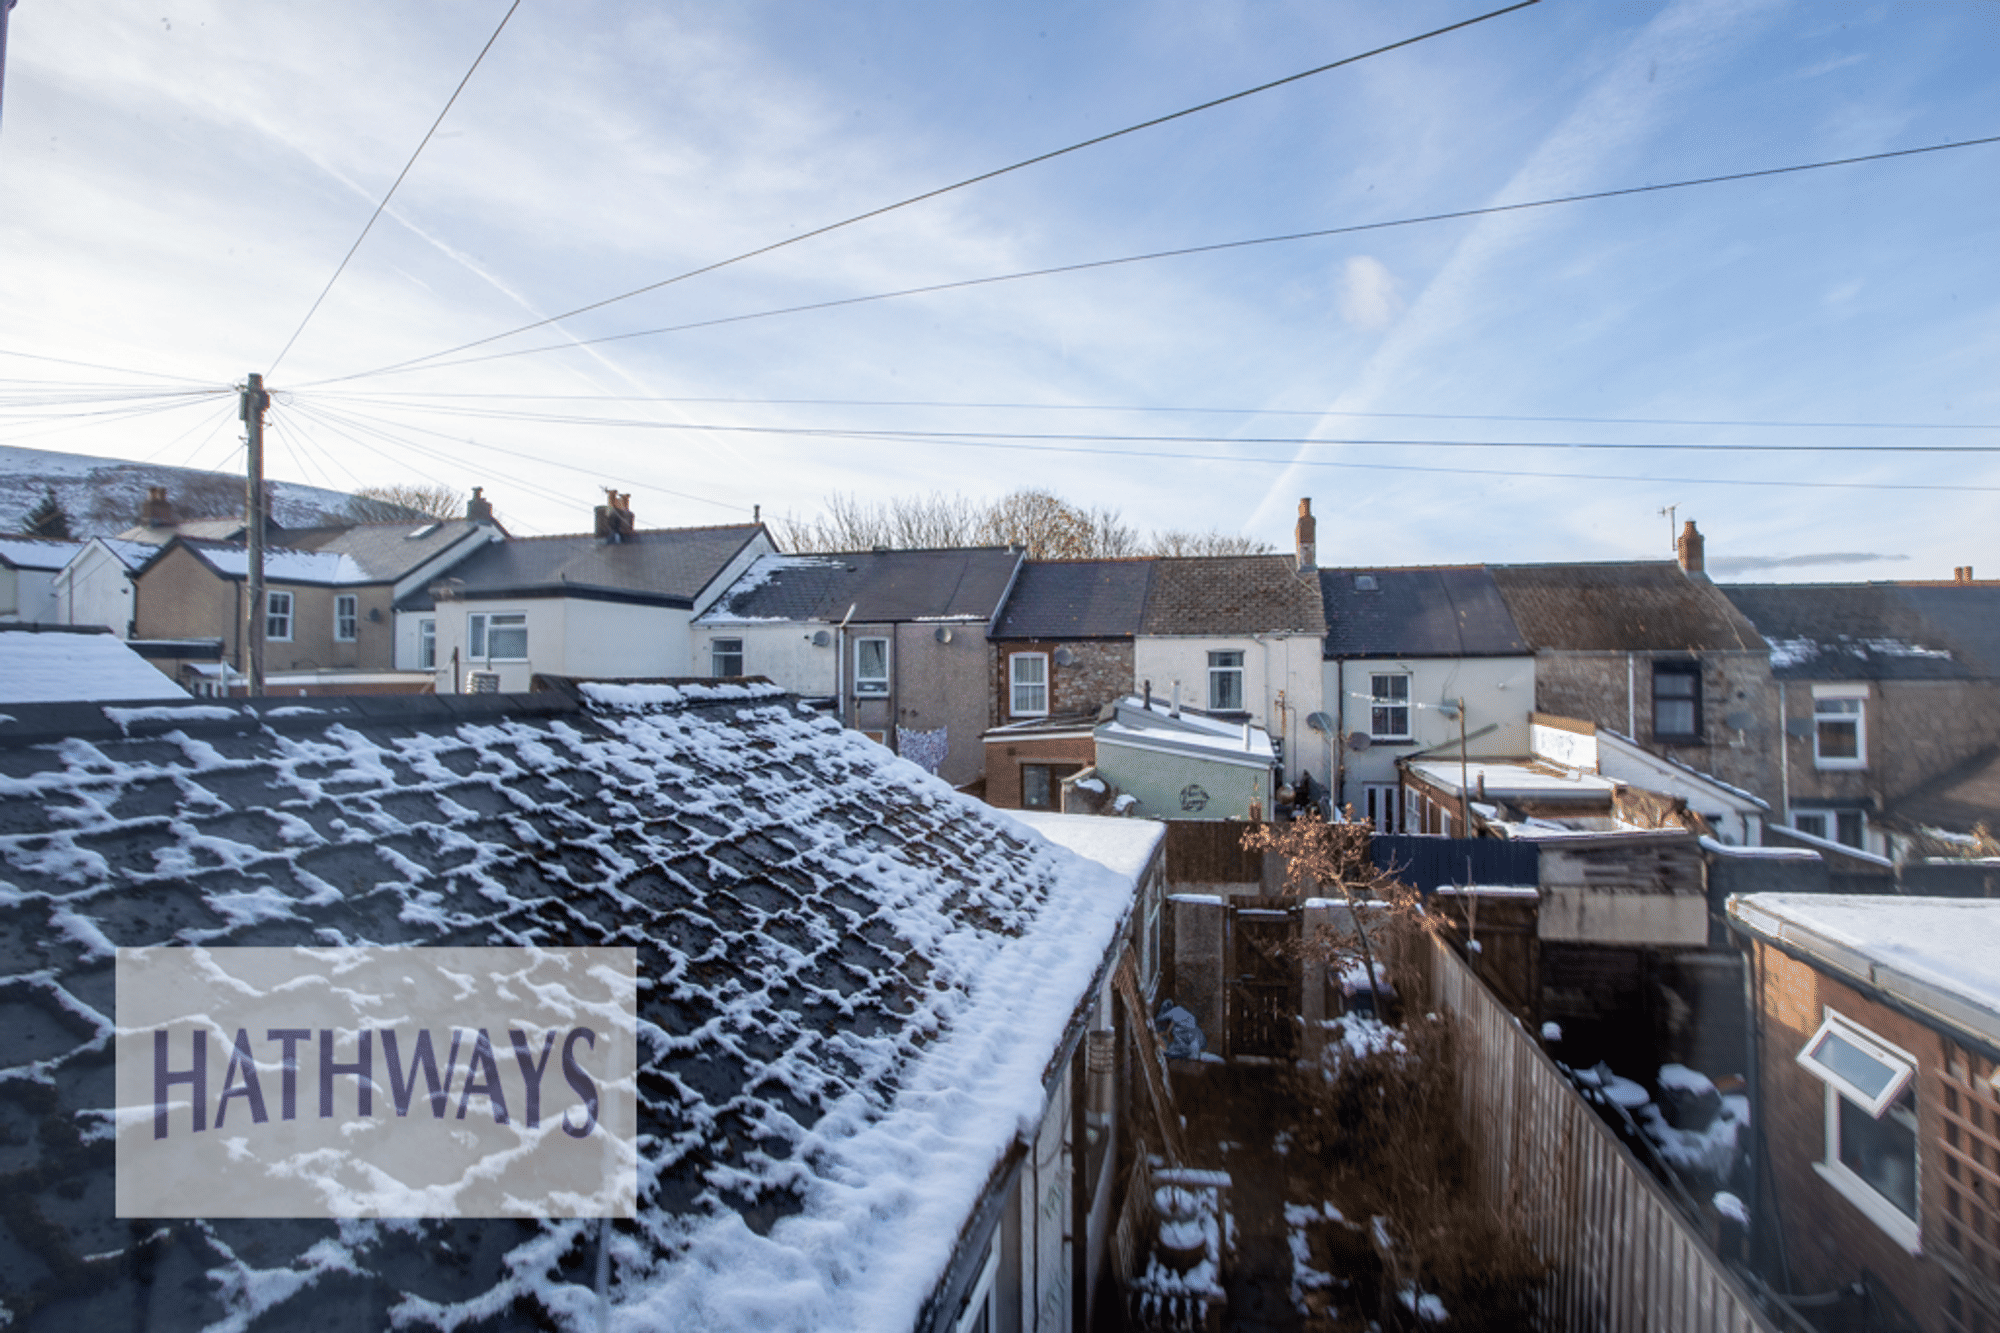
[[718, 654], [346, 617], [1382, 806], [981, 1309], [1905, 1230], [1027, 698], [427, 643], [1380, 704], [278, 623], [872, 685], [479, 628], [1841, 696], [1220, 671]]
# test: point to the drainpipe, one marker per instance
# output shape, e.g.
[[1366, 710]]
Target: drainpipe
[[840, 667], [1339, 783], [1631, 696], [1784, 762]]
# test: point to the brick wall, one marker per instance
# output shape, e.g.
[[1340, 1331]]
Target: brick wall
[[1829, 1241], [1004, 759], [1101, 670], [1594, 687]]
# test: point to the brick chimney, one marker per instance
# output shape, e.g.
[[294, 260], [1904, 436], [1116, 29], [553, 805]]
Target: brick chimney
[[1961, 574], [478, 509], [1689, 549], [614, 517], [1307, 547], [158, 511]]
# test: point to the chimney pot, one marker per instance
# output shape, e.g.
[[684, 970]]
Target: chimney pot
[[1689, 549], [157, 511], [1308, 554], [478, 509]]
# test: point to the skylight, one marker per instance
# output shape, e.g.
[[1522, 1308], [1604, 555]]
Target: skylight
[[425, 531]]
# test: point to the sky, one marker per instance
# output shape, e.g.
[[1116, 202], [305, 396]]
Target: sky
[[179, 182]]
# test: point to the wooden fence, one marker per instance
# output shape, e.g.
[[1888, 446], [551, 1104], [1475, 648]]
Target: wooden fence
[[1623, 1257], [1210, 851]]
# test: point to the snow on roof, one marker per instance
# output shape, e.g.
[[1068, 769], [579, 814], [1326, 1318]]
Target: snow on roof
[[37, 552], [1188, 731], [1124, 846], [47, 666], [1503, 779], [854, 982], [1649, 758], [282, 566], [1941, 955]]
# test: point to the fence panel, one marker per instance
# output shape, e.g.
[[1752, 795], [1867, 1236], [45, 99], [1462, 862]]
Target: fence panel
[[1621, 1255], [1430, 862]]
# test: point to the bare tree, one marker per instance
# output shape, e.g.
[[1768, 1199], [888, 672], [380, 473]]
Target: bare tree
[[1051, 528], [396, 501], [1176, 541]]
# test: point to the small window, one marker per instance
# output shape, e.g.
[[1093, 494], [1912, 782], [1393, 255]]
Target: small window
[[1389, 707], [1840, 723], [725, 657], [497, 636], [1041, 785], [1676, 701], [1846, 827], [1382, 806], [871, 666], [1812, 823], [278, 616], [346, 617], [1028, 684], [1225, 682], [1858, 1064], [427, 644]]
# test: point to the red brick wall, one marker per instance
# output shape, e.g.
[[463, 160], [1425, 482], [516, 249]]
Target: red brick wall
[[1004, 759], [1829, 1241]]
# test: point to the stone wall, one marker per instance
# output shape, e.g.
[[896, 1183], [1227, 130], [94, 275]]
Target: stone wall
[[1914, 730], [1100, 671]]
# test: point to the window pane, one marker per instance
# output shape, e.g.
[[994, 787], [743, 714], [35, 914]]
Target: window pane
[[1674, 685], [1847, 828], [1673, 717], [475, 634], [1225, 681], [1391, 689], [1883, 1152], [1035, 787], [1839, 739], [1868, 1074], [1811, 825], [871, 660], [427, 644], [726, 657], [1030, 683], [507, 636]]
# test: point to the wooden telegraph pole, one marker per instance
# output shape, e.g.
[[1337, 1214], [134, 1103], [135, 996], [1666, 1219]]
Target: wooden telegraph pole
[[254, 403]]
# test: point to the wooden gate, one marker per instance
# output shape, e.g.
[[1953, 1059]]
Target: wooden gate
[[1263, 973]]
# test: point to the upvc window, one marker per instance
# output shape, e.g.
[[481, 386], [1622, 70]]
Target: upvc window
[[427, 644], [1225, 682], [278, 616], [1389, 707], [1840, 726], [725, 657], [497, 636], [1028, 685], [1871, 1123], [1847, 827], [1676, 700], [346, 617], [871, 666], [1382, 806]]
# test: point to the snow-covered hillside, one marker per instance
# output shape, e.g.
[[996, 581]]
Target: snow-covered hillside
[[102, 495]]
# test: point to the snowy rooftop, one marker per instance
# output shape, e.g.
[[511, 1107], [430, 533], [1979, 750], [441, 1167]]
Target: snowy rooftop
[[37, 552], [853, 983], [1160, 726], [40, 666], [1941, 955], [1515, 781], [282, 566]]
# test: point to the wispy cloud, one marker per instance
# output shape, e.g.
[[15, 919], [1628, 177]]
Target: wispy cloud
[[1749, 564], [1370, 297]]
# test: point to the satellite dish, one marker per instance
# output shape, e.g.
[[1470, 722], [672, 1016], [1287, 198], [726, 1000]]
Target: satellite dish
[[1359, 740], [1448, 711], [1064, 657], [1320, 722], [1738, 720], [1799, 728], [942, 634], [821, 638]]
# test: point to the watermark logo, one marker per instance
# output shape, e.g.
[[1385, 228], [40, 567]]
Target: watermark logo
[[456, 1082]]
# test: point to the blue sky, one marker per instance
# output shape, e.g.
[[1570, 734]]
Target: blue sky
[[180, 182]]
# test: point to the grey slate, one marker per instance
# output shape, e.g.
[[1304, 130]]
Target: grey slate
[[882, 586], [667, 567], [1077, 599], [1876, 631], [1443, 611]]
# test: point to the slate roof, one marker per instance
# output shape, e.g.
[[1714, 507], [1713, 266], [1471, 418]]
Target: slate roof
[[43, 663], [965, 583], [1443, 611], [854, 980], [37, 552], [1077, 599], [1964, 795], [660, 567], [1876, 631], [1637, 606], [1233, 595], [388, 551]]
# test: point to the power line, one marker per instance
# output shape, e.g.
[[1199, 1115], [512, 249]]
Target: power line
[[1182, 252], [959, 185], [418, 399], [92, 365], [369, 225]]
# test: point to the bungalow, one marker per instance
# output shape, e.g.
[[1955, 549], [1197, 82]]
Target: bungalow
[[866, 1012], [28, 570], [1877, 1024]]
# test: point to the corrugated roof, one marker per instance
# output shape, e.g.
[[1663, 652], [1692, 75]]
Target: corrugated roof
[[882, 586], [1233, 594], [1444, 611], [855, 980], [668, 565], [1639, 606], [1875, 631], [1077, 599]]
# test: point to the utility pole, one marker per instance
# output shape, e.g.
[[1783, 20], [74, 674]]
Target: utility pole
[[254, 403], [5, 6]]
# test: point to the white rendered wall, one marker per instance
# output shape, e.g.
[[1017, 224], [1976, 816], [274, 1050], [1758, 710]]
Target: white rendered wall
[[94, 589], [1498, 691], [781, 650], [1291, 663]]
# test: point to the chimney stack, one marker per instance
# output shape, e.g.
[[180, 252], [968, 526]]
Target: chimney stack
[[1689, 548], [157, 511], [1307, 547], [1961, 574], [614, 517], [478, 509]]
